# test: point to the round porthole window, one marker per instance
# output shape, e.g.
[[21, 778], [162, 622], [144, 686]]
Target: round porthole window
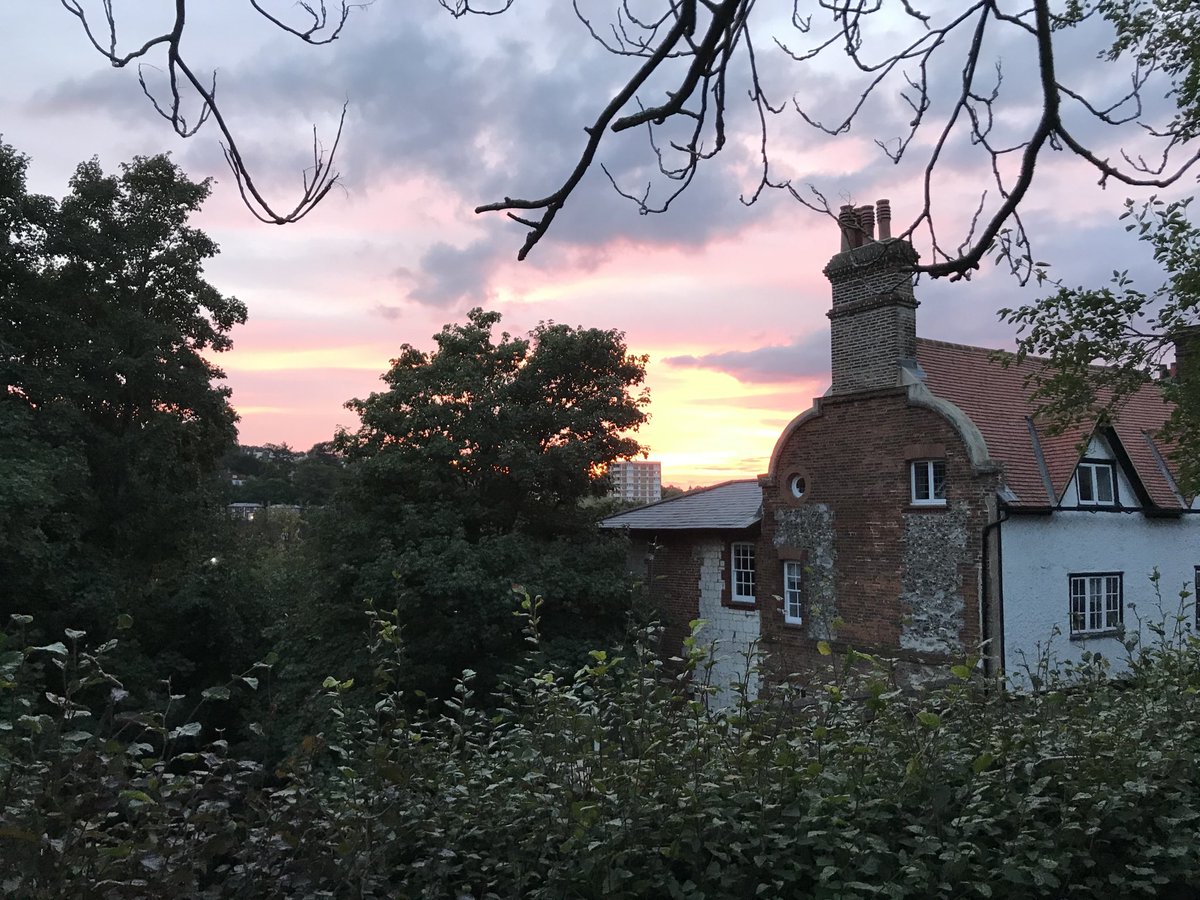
[[797, 486]]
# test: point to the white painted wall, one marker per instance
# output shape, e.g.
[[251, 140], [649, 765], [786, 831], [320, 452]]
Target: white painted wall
[[734, 631], [1039, 553]]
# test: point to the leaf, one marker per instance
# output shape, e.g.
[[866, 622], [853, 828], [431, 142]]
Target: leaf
[[124, 621], [928, 719], [21, 619], [74, 635], [58, 648], [137, 796], [982, 761], [824, 649], [220, 692], [960, 671], [251, 682], [191, 729], [18, 834]]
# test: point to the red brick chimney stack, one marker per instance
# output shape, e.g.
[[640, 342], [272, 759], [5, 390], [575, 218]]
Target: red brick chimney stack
[[1187, 352], [873, 322]]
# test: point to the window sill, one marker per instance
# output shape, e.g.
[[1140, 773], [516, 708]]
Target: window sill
[[747, 605], [928, 505], [793, 626], [1092, 635]]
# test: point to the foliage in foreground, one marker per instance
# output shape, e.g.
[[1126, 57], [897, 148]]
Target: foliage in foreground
[[612, 781]]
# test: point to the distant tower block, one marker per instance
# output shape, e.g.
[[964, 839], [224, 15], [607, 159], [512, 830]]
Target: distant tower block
[[638, 480]]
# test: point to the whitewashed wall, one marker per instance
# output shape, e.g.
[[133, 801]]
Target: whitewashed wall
[[1040, 553], [734, 631]]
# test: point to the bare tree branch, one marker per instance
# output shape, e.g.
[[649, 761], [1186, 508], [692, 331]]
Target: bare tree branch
[[717, 39], [702, 52], [322, 28]]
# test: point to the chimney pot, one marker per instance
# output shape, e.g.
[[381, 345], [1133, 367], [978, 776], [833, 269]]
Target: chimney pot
[[848, 222], [866, 223], [884, 214]]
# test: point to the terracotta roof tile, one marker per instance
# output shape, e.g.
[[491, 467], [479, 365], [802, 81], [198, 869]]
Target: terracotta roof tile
[[997, 400]]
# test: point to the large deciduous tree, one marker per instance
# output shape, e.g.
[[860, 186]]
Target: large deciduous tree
[[982, 80], [469, 474], [114, 418]]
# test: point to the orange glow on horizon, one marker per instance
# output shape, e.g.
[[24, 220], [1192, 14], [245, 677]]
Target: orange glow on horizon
[[707, 427], [362, 357]]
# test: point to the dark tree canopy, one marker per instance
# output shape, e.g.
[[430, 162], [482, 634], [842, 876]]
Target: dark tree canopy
[[113, 419], [467, 475], [997, 80], [516, 429]]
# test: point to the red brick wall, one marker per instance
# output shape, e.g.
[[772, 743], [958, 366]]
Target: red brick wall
[[854, 454], [673, 576]]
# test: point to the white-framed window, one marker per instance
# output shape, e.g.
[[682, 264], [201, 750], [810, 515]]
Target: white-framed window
[[1097, 603], [928, 481], [741, 574], [793, 592], [1096, 483]]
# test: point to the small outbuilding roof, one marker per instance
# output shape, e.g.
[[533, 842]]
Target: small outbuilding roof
[[730, 505]]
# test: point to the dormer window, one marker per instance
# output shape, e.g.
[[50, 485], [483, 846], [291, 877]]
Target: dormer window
[[1097, 484], [928, 482]]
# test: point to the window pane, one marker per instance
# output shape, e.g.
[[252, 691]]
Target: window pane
[[1112, 601], [1087, 491], [793, 573], [1104, 484], [1078, 604], [743, 571], [920, 481], [938, 468], [1094, 592], [1096, 603]]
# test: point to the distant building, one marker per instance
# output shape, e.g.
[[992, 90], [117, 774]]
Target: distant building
[[639, 480], [245, 511]]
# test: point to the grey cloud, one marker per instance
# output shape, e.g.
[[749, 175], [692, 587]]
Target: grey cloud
[[489, 124], [490, 118], [387, 311], [807, 356], [453, 275]]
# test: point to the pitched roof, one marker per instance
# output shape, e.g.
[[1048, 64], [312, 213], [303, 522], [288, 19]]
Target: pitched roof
[[1038, 465], [733, 504]]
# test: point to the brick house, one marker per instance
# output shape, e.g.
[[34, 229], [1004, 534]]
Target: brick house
[[921, 510]]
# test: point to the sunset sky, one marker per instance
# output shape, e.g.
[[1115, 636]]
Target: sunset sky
[[727, 299]]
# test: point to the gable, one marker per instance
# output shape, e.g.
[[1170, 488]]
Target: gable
[[1038, 465], [1104, 448]]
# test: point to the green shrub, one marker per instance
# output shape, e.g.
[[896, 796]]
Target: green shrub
[[617, 780]]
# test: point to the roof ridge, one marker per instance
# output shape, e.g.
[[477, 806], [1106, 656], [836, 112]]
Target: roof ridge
[[958, 346], [690, 493], [1028, 357]]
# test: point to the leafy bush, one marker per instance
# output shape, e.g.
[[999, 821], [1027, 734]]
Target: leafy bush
[[617, 780]]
